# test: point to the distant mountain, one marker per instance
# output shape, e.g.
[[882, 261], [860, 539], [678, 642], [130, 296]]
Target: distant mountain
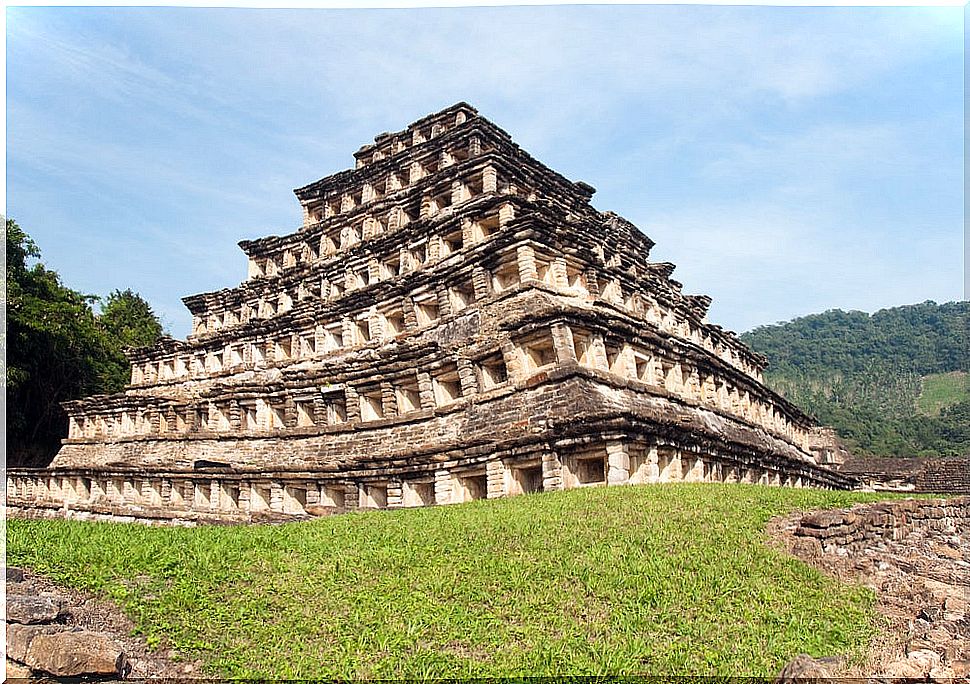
[[894, 383]]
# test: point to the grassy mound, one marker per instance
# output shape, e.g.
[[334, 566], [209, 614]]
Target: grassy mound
[[667, 579]]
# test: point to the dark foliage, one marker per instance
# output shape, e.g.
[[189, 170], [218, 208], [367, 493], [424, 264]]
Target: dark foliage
[[59, 349], [129, 321]]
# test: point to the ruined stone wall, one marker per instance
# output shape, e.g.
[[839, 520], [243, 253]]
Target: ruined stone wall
[[920, 475], [859, 527]]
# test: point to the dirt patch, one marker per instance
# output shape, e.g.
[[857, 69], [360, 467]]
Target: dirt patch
[[922, 587], [82, 610]]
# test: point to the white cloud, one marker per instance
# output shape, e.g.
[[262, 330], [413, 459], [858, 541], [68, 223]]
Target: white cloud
[[221, 112]]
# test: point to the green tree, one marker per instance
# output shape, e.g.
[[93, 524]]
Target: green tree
[[57, 349], [129, 322]]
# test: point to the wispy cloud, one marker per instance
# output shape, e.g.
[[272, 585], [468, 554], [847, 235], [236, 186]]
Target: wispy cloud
[[740, 132]]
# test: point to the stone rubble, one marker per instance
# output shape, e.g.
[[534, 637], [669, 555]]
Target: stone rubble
[[57, 632], [32, 610], [915, 555]]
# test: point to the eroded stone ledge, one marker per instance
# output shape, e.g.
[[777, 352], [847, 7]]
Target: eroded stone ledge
[[915, 555], [849, 530]]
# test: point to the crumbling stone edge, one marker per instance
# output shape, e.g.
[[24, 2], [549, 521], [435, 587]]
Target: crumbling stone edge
[[848, 530], [914, 554]]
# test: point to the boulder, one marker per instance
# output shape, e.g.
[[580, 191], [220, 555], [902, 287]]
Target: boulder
[[33, 610], [20, 636], [15, 575], [76, 654]]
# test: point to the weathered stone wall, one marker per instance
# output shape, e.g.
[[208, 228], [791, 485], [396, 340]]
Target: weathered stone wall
[[919, 475], [561, 402], [848, 530], [945, 475], [914, 555], [453, 320]]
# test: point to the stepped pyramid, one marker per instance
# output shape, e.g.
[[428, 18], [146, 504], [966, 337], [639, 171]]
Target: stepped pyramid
[[452, 321]]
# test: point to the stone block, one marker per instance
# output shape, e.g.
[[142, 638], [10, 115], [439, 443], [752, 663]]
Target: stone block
[[76, 654], [19, 637], [807, 547], [17, 670], [32, 610], [826, 519]]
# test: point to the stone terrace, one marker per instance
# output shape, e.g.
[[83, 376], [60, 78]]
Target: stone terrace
[[452, 321]]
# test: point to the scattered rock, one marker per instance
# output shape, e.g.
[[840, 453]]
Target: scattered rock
[[76, 654], [941, 673], [20, 636], [957, 650], [919, 664], [33, 610], [930, 613], [91, 639], [961, 668], [925, 657], [947, 551], [903, 669], [955, 603]]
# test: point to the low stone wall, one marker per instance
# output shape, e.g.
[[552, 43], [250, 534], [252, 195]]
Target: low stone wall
[[945, 475], [847, 530], [914, 555], [918, 475]]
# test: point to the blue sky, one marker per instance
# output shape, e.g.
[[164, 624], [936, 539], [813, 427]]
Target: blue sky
[[788, 160]]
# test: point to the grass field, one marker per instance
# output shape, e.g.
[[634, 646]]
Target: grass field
[[670, 579], [941, 390]]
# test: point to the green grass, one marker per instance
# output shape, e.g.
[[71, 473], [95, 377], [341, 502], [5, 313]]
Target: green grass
[[941, 390], [669, 579]]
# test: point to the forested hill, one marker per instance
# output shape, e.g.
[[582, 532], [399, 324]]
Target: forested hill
[[894, 383]]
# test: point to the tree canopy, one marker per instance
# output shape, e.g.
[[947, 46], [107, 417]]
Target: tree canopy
[[59, 348], [130, 322]]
